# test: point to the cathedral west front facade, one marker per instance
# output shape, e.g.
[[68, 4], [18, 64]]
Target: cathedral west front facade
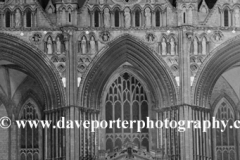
[[119, 59]]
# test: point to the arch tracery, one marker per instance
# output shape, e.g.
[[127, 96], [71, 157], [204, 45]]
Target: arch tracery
[[37, 65], [215, 64], [126, 49], [225, 145], [126, 98]]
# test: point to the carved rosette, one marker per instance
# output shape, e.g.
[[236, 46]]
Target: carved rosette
[[36, 38]]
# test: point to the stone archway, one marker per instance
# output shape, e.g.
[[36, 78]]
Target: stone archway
[[36, 63], [218, 61], [125, 53], [127, 49], [207, 85], [17, 56]]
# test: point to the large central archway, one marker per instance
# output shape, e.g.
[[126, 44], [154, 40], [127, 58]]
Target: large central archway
[[128, 49], [128, 57]]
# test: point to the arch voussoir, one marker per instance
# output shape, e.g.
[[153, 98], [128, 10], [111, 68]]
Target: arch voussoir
[[36, 64], [219, 61], [127, 49]]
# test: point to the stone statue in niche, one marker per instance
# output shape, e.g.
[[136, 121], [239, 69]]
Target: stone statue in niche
[[236, 17], [127, 16], [148, 17], [58, 42], [190, 15], [195, 46], [49, 45], [164, 46], [172, 44], [18, 19], [204, 46], [92, 45], [106, 17], [84, 45], [66, 45]]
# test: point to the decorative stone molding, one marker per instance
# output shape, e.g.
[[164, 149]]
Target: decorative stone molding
[[126, 2], [224, 55], [36, 38], [38, 64], [89, 81], [105, 36], [150, 38]]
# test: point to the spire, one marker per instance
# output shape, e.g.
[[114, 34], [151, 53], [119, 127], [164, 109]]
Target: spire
[[204, 7], [50, 7]]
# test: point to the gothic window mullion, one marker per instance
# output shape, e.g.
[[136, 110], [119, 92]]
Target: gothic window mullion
[[225, 149], [122, 110], [129, 98], [26, 146], [29, 148]]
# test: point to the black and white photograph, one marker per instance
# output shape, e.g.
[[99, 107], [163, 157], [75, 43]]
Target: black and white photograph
[[119, 79]]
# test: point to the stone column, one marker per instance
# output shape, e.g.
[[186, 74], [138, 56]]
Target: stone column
[[186, 141], [72, 144], [13, 138]]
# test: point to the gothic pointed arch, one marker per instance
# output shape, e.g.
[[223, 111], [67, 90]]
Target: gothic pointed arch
[[127, 49], [30, 96], [30, 139], [225, 142], [37, 65], [229, 100], [216, 63], [126, 96]]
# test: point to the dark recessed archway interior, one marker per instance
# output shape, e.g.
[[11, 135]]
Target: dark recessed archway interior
[[15, 85]]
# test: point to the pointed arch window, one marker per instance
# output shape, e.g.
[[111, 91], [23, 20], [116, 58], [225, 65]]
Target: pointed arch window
[[226, 17], [184, 17], [190, 15], [225, 142], [204, 46], [126, 99], [29, 137], [69, 15], [8, 19], [28, 18], [158, 14], [96, 18], [137, 18], [116, 18]]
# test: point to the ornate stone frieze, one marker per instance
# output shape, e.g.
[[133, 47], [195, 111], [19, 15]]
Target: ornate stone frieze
[[126, 2]]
